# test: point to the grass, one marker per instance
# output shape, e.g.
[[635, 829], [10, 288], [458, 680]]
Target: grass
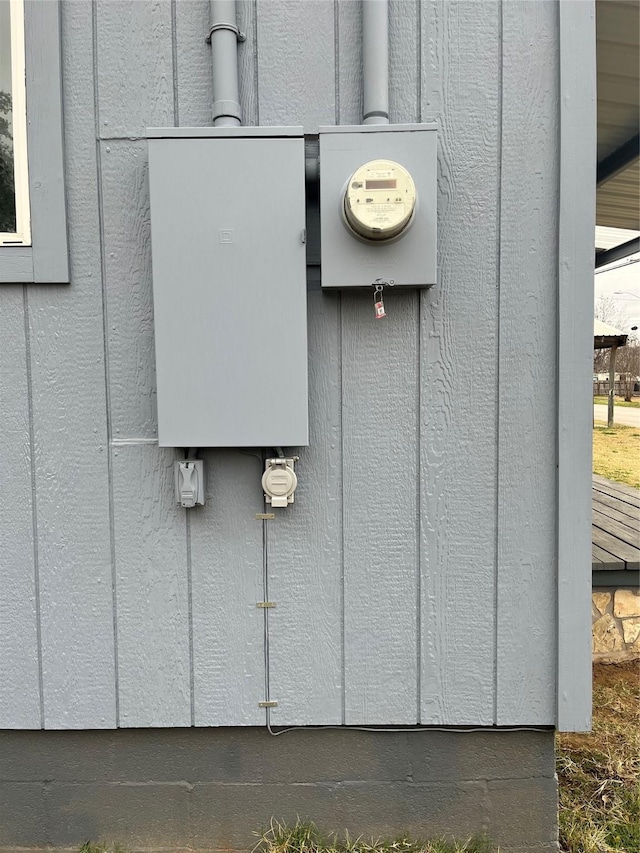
[[618, 401], [90, 847], [304, 837], [599, 773], [616, 454]]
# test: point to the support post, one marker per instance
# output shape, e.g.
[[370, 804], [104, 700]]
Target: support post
[[576, 204], [612, 384]]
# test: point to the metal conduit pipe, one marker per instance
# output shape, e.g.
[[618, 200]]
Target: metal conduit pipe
[[224, 36], [375, 61]]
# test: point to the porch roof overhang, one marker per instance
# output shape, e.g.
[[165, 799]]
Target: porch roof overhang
[[618, 87], [605, 337]]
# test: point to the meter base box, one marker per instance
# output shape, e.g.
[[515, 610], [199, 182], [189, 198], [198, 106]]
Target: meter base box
[[229, 286], [349, 262]]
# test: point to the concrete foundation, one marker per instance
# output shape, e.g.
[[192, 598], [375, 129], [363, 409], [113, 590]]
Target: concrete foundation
[[214, 788]]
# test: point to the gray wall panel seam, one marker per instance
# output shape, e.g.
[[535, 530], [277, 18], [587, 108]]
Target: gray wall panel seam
[[336, 19], [105, 334], [34, 507], [418, 509], [419, 23], [265, 610], [556, 448], [497, 357], [174, 63], [256, 60], [336, 58], [192, 686], [342, 616], [418, 397]]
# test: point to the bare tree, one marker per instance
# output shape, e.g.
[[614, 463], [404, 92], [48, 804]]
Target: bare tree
[[628, 366], [607, 311], [7, 195]]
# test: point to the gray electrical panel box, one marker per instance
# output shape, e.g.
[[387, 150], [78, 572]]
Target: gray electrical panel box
[[373, 178], [229, 286]]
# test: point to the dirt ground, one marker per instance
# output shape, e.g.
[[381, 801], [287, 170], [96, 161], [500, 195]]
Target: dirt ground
[[611, 674], [599, 772]]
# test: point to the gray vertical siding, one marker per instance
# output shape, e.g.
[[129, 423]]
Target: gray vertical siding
[[295, 63], [460, 88], [414, 576], [70, 444], [528, 353], [226, 561], [20, 704], [305, 548]]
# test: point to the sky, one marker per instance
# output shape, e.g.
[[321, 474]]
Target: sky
[[620, 281]]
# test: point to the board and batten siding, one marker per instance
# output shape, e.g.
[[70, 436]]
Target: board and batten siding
[[415, 575]]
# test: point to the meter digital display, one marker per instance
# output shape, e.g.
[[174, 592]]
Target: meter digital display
[[380, 185], [380, 201]]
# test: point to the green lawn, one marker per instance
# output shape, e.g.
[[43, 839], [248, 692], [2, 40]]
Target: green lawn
[[618, 401], [616, 454], [304, 837]]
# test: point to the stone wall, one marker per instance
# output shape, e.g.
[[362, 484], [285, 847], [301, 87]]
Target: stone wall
[[616, 625]]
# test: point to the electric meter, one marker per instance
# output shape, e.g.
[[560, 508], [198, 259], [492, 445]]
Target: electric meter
[[382, 222], [380, 201]]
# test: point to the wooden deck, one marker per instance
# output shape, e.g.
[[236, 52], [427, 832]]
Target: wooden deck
[[615, 532]]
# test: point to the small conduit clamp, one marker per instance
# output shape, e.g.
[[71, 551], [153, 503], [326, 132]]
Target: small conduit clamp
[[225, 26]]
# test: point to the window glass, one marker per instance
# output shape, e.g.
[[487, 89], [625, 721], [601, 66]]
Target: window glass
[[7, 185], [14, 194]]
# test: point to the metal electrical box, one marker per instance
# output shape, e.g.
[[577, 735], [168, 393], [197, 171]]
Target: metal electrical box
[[229, 286], [384, 169]]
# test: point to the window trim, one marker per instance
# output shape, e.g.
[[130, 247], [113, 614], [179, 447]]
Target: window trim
[[46, 260]]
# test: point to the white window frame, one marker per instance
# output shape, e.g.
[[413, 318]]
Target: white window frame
[[22, 234]]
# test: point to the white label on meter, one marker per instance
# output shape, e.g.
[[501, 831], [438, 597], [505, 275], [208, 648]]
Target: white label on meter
[[380, 200]]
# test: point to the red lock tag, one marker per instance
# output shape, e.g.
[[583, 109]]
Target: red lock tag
[[378, 304]]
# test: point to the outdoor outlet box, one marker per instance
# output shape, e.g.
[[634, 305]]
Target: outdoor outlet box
[[279, 481], [189, 479], [229, 286], [378, 195]]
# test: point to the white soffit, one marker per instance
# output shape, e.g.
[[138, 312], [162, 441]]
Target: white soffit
[[618, 82]]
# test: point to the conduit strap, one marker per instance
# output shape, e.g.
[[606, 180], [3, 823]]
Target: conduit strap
[[226, 108], [223, 25]]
